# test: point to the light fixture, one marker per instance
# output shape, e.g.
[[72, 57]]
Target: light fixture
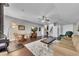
[[43, 21], [33, 27], [14, 25]]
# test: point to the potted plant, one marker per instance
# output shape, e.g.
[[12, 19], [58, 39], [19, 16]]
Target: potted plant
[[34, 34], [34, 29]]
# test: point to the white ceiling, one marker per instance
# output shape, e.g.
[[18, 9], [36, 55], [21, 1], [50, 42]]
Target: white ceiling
[[62, 13]]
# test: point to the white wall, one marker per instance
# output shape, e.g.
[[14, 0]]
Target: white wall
[[8, 30], [66, 28], [75, 29], [70, 27], [62, 29]]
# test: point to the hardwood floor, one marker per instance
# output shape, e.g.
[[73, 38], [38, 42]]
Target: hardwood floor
[[23, 51]]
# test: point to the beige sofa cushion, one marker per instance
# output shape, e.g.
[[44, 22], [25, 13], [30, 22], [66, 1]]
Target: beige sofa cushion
[[75, 41]]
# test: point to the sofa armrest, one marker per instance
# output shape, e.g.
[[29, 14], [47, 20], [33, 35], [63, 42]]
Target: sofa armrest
[[75, 41]]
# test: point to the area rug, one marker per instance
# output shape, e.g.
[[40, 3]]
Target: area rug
[[39, 49], [13, 46]]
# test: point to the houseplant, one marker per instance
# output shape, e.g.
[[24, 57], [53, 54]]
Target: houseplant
[[34, 29], [34, 32]]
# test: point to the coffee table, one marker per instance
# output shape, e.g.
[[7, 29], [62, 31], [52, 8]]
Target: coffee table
[[48, 40]]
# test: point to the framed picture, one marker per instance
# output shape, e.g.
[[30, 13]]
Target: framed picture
[[21, 27]]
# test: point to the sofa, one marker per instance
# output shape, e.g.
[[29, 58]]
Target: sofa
[[67, 46], [4, 42]]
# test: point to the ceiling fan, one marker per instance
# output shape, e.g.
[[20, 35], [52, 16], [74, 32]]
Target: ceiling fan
[[44, 19]]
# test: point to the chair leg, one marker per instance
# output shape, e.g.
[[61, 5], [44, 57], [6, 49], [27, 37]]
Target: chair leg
[[7, 50]]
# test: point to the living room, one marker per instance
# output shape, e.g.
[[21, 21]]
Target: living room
[[39, 29]]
